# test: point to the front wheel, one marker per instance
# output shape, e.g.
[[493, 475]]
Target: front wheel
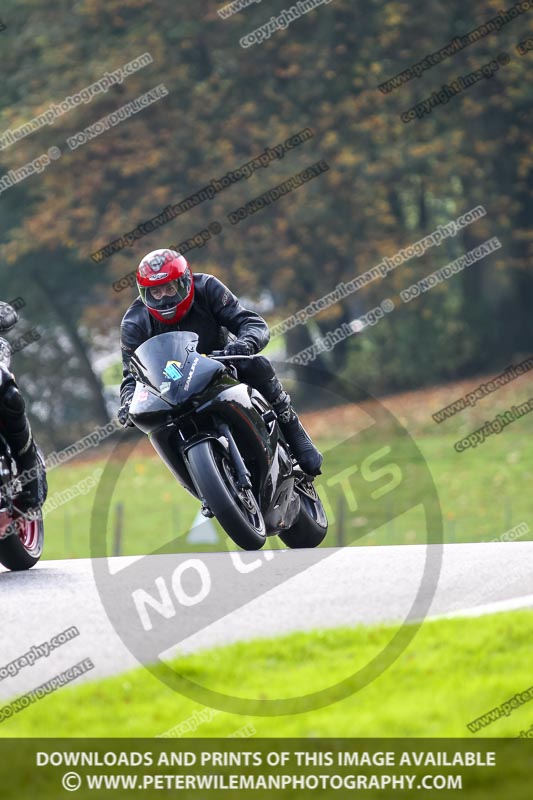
[[23, 548], [236, 509], [311, 527]]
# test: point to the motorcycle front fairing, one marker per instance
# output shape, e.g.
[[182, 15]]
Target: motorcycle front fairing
[[173, 379], [182, 397], [168, 372], [169, 365], [147, 410]]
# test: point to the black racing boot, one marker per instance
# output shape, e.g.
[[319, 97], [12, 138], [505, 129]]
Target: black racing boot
[[16, 431], [303, 449], [32, 472]]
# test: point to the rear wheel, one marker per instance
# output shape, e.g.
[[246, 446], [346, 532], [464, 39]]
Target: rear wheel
[[236, 509], [311, 527], [23, 548]]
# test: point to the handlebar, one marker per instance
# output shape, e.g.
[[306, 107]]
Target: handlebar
[[218, 355]]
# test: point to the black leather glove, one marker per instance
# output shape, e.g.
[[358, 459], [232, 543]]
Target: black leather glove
[[123, 414], [238, 348]]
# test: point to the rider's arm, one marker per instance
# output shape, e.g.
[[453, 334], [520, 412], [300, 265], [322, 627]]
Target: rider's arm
[[131, 336], [246, 325]]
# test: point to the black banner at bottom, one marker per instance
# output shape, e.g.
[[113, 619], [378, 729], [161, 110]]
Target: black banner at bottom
[[286, 768]]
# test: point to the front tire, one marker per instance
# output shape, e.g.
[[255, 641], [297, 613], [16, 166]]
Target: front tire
[[22, 549], [236, 510], [311, 527]]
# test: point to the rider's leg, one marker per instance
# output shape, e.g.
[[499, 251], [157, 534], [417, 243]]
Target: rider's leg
[[16, 430], [259, 373]]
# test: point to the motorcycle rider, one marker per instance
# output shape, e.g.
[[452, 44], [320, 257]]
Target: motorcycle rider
[[172, 298], [16, 431]]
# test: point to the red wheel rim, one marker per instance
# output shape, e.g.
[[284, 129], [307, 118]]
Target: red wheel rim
[[28, 532]]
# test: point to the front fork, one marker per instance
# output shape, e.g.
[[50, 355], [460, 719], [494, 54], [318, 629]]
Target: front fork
[[243, 476]]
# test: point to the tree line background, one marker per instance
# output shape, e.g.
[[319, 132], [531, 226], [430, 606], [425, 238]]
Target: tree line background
[[389, 183]]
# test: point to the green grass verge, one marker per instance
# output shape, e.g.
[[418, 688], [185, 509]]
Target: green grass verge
[[482, 493], [453, 672], [155, 509]]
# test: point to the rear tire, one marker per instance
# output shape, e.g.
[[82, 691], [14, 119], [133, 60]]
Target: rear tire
[[22, 550], [311, 527], [238, 512]]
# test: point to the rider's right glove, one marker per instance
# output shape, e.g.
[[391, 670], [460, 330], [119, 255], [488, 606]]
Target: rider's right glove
[[123, 414], [238, 348]]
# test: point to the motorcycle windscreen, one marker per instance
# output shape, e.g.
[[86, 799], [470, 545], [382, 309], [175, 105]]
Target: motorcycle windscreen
[[161, 358], [170, 365], [198, 373]]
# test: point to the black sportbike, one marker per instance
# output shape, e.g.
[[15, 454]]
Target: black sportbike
[[21, 536], [221, 440]]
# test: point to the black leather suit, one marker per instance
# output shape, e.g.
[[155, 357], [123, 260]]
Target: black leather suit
[[214, 312]]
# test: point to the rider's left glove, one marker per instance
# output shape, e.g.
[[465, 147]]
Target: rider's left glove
[[123, 415], [238, 348]]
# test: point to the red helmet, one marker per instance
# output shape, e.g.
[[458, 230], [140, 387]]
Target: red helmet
[[165, 285]]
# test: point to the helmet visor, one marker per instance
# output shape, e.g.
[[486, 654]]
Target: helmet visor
[[167, 296]]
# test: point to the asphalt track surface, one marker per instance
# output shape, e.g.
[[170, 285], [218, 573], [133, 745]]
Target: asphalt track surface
[[292, 590]]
